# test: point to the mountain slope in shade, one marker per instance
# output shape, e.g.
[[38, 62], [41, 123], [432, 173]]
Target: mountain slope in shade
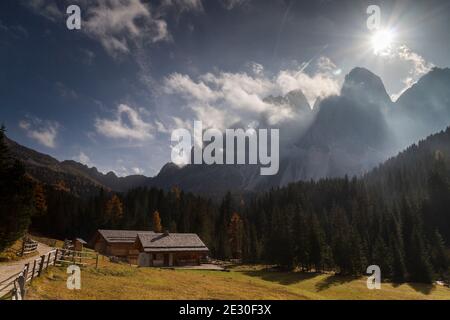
[[76, 177], [424, 108], [350, 134]]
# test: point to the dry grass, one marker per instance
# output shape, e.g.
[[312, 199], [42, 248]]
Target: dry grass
[[48, 241], [13, 253], [121, 281]]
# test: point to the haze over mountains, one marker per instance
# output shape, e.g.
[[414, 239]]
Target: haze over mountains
[[346, 134]]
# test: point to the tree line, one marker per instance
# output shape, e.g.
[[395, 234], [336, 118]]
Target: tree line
[[396, 217]]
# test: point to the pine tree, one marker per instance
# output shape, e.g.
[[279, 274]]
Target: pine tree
[[16, 197], [235, 233], [439, 256]]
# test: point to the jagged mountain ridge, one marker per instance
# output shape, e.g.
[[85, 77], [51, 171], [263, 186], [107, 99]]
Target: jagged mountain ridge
[[349, 134]]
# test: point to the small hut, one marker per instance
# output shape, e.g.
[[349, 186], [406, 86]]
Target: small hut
[[79, 244]]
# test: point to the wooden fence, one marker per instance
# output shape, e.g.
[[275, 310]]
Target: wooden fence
[[14, 287], [28, 246]]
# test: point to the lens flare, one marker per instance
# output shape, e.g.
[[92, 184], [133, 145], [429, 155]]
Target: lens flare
[[382, 41]]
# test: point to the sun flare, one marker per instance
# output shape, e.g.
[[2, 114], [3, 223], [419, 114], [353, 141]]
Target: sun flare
[[382, 41]]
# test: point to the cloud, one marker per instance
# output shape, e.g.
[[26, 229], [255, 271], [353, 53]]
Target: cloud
[[45, 8], [44, 132], [418, 67], [128, 124], [83, 158], [223, 99], [181, 6], [318, 86], [119, 24], [137, 170], [231, 4]]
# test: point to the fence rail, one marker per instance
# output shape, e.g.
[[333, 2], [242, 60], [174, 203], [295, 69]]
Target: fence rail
[[14, 287], [28, 246]]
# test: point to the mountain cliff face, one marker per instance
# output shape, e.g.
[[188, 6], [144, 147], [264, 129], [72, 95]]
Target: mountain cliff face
[[346, 134]]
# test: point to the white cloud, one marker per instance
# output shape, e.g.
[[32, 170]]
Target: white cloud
[[44, 132], [222, 99], [318, 86], [128, 124], [137, 170], [83, 158], [418, 67], [115, 24]]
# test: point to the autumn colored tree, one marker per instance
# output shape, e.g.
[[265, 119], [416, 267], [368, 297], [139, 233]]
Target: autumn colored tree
[[114, 210], [157, 227]]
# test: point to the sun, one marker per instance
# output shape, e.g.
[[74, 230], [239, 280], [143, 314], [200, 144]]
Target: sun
[[382, 41]]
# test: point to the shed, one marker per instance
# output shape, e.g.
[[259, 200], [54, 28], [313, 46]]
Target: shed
[[79, 244]]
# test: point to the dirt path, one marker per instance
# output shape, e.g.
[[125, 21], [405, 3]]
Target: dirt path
[[9, 269]]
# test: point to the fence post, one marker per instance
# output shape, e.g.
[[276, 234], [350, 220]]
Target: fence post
[[22, 287], [23, 246], [56, 257], [34, 268], [25, 271], [41, 265], [96, 262], [48, 259]]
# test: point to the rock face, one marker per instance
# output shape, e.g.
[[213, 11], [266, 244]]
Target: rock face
[[346, 134]]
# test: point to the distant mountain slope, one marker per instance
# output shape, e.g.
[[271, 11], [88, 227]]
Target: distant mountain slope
[[348, 134], [76, 177], [424, 108], [411, 168]]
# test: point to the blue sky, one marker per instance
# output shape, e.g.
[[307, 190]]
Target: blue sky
[[110, 94]]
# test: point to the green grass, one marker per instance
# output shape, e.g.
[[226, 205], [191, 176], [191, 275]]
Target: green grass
[[121, 281]]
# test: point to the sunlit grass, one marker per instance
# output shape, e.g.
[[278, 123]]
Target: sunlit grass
[[121, 281]]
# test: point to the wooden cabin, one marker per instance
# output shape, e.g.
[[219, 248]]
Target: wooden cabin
[[78, 244], [167, 249], [115, 242]]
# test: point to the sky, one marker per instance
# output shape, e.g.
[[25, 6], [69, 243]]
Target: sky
[[110, 94]]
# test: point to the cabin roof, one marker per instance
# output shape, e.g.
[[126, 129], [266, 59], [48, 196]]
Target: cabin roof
[[121, 236], [158, 242]]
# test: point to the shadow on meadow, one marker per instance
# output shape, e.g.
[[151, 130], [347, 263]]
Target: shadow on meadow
[[333, 280], [281, 277], [422, 287]]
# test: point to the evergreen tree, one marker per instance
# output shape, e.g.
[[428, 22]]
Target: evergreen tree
[[16, 197]]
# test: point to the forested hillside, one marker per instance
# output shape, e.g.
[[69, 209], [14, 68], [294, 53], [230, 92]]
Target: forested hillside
[[396, 216]]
